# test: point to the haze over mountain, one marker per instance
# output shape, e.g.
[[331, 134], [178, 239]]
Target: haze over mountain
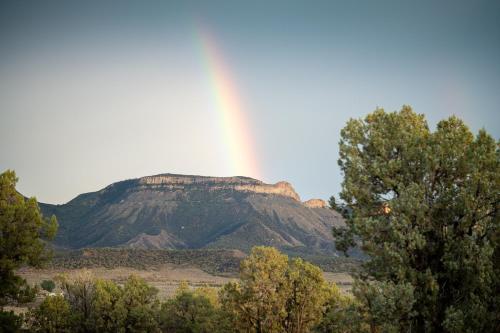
[[177, 212]]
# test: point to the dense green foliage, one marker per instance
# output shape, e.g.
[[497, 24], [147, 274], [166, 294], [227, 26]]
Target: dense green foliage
[[10, 322], [48, 285], [193, 311], [341, 314], [424, 207], [52, 316], [275, 294], [93, 305], [22, 230]]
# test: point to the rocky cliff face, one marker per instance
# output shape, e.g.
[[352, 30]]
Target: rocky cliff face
[[242, 184], [315, 203], [176, 211]]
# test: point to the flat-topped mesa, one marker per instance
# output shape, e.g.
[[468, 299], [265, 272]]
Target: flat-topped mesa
[[171, 179], [243, 184], [315, 203]]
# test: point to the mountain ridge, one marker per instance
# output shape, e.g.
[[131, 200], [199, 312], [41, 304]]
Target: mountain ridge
[[171, 211]]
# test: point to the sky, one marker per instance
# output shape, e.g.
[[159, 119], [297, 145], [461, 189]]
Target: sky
[[94, 92]]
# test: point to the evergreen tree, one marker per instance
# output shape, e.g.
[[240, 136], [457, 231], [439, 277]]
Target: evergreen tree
[[276, 294], [108, 312], [424, 207], [190, 312], [53, 315], [23, 230], [141, 306]]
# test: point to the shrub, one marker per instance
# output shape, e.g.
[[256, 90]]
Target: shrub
[[52, 316], [48, 285]]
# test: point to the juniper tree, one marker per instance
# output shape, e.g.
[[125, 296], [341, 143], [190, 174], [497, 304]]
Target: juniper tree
[[424, 208], [276, 294], [23, 231]]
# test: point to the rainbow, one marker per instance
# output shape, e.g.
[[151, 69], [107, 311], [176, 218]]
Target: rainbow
[[234, 126]]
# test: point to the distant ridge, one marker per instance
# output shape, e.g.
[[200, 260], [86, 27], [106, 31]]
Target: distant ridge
[[171, 211]]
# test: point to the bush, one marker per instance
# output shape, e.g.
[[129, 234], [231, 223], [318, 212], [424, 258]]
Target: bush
[[10, 322], [342, 314], [140, 305], [48, 285], [52, 316], [193, 311], [104, 306], [186, 313]]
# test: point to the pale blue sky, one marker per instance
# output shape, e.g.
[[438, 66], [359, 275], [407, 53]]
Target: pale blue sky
[[93, 92]]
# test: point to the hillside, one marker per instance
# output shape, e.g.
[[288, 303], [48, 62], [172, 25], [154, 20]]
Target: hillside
[[192, 212]]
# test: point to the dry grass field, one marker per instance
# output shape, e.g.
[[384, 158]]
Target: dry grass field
[[163, 269], [165, 278]]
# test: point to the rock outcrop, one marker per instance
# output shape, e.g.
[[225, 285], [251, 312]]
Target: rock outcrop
[[315, 203], [243, 184]]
